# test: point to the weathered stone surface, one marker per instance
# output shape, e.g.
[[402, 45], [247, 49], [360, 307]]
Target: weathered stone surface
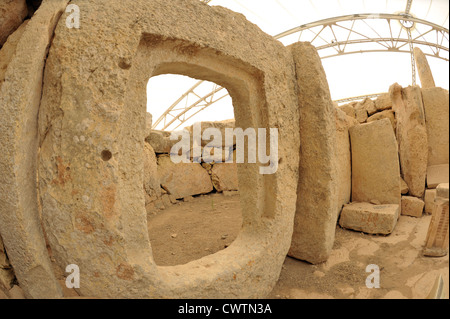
[[388, 114], [224, 177], [375, 164], [383, 102], [181, 180], [412, 136], [344, 157], [424, 70], [109, 240], [412, 206], [315, 225], [8, 50], [436, 104], [442, 190], [12, 14], [6, 273], [368, 218], [20, 95], [361, 115], [430, 196], [436, 244], [437, 174], [152, 184]]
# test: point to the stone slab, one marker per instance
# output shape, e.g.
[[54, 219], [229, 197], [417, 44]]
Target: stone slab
[[412, 206], [375, 164]]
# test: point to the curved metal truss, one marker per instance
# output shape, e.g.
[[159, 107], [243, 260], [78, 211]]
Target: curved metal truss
[[350, 34]]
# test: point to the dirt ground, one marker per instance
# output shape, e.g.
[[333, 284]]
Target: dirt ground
[[191, 230]]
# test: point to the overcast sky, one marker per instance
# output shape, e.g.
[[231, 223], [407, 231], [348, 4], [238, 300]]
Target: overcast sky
[[348, 76]]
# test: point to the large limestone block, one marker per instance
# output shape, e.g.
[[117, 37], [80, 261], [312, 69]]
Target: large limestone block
[[436, 104], [317, 201], [344, 157], [183, 179], [224, 177], [95, 85], [368, 218], [375, 164], [412, 136], [412, 206], [152, 185], [20, 94], [348, 109], [437, 174], [12, 14], [369, 105], [424, 70]]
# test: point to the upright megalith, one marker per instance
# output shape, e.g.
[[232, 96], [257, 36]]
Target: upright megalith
[[424, 70], [375, 164], [20, 96], [317, 201], [436, 105], [92, 130], [412, 136]]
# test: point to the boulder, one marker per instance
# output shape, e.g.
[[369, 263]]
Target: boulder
[[368, 218], [412, 206], [404, 187], [184, 179], [348, 109], [160, 141], [412, 136], [436, 104], [437, 174], [12, 14], [372, 144], [369, 105]]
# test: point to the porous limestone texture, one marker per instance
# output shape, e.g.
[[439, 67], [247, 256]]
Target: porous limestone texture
[[375, 163], [12, 14], [368, 218], [95, 86], [317, 201], [20, 96], [436, 104], [424, 70], [412, 136]]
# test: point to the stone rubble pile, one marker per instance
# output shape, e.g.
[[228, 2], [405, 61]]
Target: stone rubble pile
[[167, 183]]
